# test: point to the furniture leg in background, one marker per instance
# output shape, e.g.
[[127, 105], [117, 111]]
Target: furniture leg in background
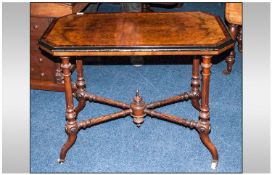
[[80, 84], [240, 39], [233, 15]]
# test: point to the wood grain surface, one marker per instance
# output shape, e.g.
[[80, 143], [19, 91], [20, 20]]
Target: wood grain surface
[[234, 13], [136, 32]]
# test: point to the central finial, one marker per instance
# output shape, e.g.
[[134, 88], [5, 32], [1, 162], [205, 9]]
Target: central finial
[[137, 107], [137, 97], [137, 92]]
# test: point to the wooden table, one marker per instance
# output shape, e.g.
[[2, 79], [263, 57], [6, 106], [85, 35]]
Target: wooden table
[[125, 34]]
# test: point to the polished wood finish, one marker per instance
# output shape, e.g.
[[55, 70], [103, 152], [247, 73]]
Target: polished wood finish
[[140, 52], [233, 13], [234, 17], [46, 85], [80, 84], [50, 9], [134, 34], [204, 115], [54, 10], [172, 118], [103, 100], [45, 71], [182, 97], [71, 127], [183, 33], [195, 83], [231, 58], [94, 121]]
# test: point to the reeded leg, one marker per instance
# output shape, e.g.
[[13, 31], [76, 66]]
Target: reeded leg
[[203, 125], [230, 59], [195, 83], [71, 126], [80, 86]]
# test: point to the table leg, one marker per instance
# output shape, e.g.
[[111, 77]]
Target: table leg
[[71, 126], [80, 86], [195, 83], [231, 58], [204, 115]]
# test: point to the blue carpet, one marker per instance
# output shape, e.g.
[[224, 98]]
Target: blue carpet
[[157, 146]]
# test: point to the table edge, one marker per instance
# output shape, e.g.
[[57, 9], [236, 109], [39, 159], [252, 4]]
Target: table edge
[[103, 50]]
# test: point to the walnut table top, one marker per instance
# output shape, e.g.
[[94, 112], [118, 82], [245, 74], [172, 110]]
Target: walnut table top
[[164, 33]]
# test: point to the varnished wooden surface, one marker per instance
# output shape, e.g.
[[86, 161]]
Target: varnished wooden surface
[[136, 33], [233, 13], [42, 9]]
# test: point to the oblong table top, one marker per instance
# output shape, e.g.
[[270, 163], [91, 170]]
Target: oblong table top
[[164, 33]]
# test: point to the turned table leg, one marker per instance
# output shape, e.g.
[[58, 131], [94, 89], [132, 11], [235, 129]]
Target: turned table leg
[[231, 58], [71, 126], [204, 115], [80, 83], [195, 83]]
